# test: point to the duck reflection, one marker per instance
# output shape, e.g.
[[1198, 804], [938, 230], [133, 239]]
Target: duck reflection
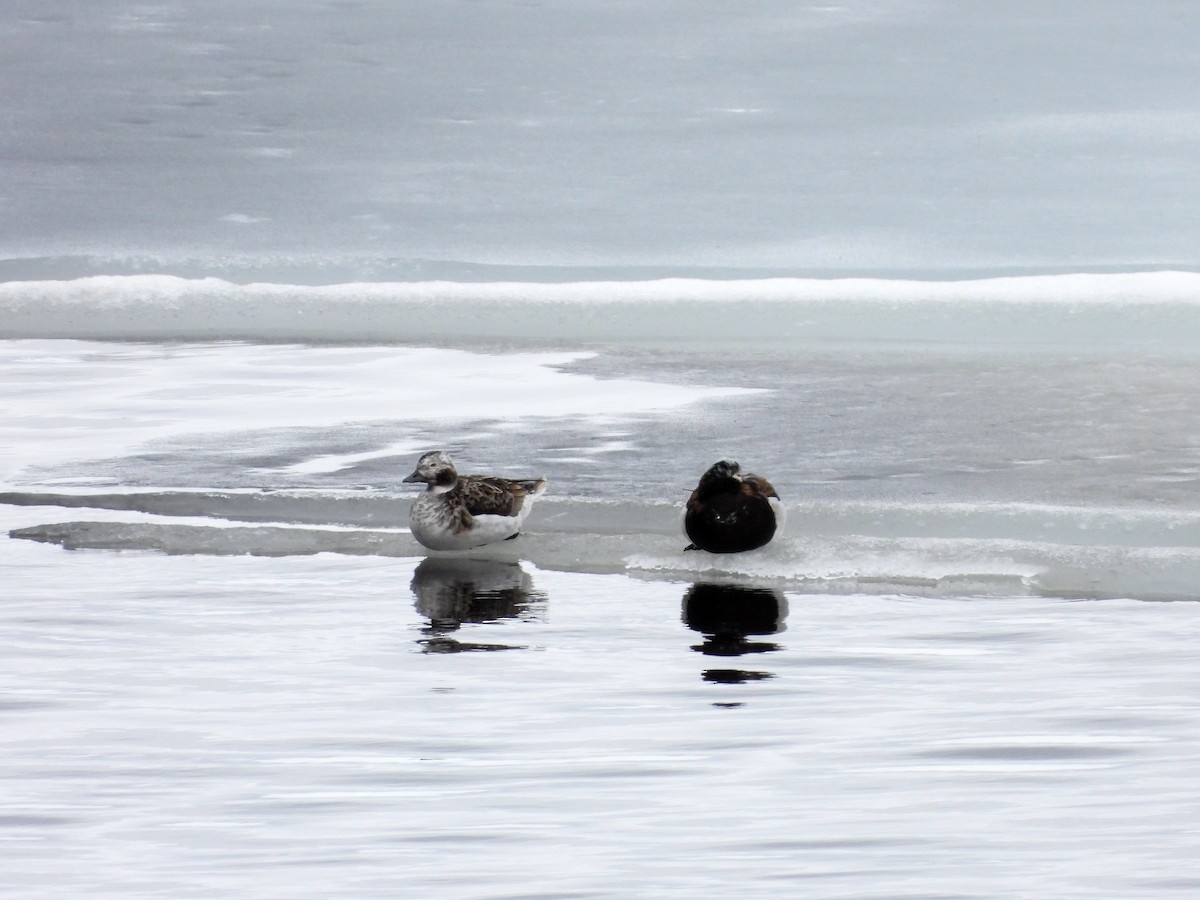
[[727, 614], [451, 591]]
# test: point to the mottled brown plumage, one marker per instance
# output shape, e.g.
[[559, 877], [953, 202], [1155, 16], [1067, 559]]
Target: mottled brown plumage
[[457, 512], [488, 495]]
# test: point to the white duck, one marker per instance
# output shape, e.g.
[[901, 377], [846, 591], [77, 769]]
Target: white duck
[[457, 512]]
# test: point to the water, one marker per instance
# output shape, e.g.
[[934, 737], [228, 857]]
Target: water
[[307, 725], [966, 670]]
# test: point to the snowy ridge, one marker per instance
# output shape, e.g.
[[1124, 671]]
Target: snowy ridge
[[1105, 308]]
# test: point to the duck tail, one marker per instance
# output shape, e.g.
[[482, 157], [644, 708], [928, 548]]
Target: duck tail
[[534, 487]]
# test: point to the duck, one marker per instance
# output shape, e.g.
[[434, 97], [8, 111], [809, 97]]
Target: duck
[[458, 512], [731, 511]]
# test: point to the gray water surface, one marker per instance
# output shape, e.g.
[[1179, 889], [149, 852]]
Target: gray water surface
[[324, 725]]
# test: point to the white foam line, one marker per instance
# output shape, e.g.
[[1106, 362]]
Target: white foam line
[[140, 290], [20, 517], [1156, 306], [324, 465]]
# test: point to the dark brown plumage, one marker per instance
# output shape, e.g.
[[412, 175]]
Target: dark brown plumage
[[489, 495], [730, 512]]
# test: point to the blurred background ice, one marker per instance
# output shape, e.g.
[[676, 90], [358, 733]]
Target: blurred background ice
[[365, 138]]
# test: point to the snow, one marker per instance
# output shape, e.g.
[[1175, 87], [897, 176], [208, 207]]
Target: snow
[[84, 400]]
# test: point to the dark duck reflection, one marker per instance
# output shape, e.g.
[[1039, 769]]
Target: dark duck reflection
[[731, 511], [451, 592], [727, 615]]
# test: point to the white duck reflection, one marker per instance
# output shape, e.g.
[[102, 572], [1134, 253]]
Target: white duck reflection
[[450, 592], [727, 614]]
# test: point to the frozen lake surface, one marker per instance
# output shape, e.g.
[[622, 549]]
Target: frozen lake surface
[[929, 266], [363, 139], [967, 669]]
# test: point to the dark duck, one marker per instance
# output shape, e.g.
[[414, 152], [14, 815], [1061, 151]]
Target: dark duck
[[731, 511]]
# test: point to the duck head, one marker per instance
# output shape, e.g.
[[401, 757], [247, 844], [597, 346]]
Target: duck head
[[723, 470], [434, 469]]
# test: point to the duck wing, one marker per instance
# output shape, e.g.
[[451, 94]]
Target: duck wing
[[484, 495], [756, 485]]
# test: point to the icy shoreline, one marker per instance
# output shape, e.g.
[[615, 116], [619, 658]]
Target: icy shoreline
[[1144, 307], [932, 550]]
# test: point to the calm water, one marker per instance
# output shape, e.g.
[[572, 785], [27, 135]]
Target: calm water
[[320, 725]]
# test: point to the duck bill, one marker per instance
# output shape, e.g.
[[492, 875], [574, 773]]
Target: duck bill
[[414, 478]]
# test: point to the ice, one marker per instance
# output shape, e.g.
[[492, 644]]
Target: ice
[[74, 400], [928, 265], [927, 469], [864, 135], [1158, 309], [959, 551]]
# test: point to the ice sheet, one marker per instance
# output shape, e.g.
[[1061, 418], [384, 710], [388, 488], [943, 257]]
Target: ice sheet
[[64, 400], [864, 135], [1148, 308]]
